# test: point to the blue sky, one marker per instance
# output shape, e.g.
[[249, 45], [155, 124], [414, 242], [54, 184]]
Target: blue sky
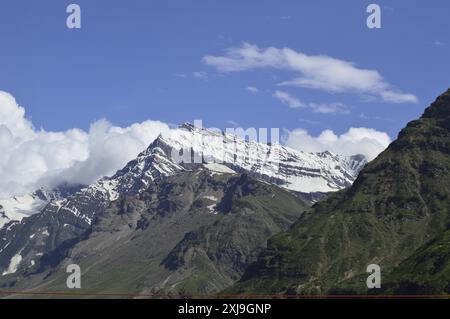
[[139, 60]]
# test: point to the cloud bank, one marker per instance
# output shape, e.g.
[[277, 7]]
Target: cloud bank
[[366, 141], [31, 158], [310, 71]]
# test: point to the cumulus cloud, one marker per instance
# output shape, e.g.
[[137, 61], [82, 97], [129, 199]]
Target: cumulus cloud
[[31, 158], [288, 99], [366, 141], [310, 71]]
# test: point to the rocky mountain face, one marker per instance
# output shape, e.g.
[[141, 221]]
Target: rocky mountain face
[[396, 215], [194, 231], [62, 222]]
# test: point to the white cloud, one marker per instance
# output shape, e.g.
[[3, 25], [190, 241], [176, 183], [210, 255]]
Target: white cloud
[[30, 158], [288, 99], [323, 108], [395, 97], [329, 108], [366, 141], [252, 89], [311, 71], [200, 75]]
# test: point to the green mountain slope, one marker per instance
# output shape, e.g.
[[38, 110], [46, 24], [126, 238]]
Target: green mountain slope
[[427, 270], [399, 203]]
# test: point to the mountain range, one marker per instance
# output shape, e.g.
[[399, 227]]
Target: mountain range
[[310, 175], [242, 217], [189, 210]]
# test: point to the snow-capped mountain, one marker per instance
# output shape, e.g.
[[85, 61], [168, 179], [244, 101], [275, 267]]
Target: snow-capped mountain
[[151, 165], [61, 222], [55, 223], [188, 145]]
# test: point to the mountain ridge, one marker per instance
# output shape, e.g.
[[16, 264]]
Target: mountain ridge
[[398, 204], [295, 170]]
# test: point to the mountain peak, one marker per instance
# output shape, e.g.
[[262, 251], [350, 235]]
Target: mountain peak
[[440, 108]]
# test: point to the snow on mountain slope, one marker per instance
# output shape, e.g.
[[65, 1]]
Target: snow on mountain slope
[[66, 219], [219, 168], [295, 170], [149, 166], [18, 207]]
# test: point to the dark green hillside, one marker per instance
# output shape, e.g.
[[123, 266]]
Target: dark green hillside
[[399, 203], [427, 270]]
